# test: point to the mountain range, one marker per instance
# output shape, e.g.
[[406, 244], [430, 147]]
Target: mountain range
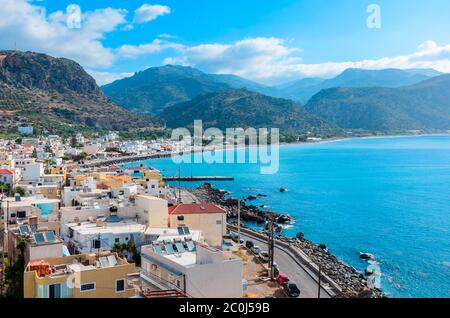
[[243, 108], [422, 106], [153, 90], [56, 94], [156, 88], [304, 89]]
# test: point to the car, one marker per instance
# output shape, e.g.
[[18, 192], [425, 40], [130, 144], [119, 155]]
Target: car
[[282, 279], [249, 244], [291, 290], [264, 256], [256, 250], [234, 237]]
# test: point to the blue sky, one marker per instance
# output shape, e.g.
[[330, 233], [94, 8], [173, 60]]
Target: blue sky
[[267, 41]]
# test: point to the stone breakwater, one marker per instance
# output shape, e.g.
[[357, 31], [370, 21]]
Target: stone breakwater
[[352, 283]]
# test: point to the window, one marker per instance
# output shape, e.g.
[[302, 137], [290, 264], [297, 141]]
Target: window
[[96, 244], [180, 218], [21, 214], [54, 291], [117, 240], [87, 287], [120, 285], [218, 222]]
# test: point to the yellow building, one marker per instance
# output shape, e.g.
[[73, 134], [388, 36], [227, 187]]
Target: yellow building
[[51, 191], [152, 175], [206, 217], [114, 181], [101, 275], [58, 169]]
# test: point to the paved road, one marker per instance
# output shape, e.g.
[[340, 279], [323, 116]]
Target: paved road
[[308, 286]]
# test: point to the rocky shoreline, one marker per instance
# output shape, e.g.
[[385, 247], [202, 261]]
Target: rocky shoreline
[[249, 212], [353, 283]]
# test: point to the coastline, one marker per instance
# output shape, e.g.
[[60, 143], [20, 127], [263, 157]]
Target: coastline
[[352, 283], [150, 156]]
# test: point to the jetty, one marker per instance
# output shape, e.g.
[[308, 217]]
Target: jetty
[[198, 178]]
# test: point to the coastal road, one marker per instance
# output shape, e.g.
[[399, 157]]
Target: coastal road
[[297, 274]]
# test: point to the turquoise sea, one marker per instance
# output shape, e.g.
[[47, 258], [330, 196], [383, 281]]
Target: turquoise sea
[[385, 196]]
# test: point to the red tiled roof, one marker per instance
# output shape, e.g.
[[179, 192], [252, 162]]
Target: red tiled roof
[[194, 208], [6, 171]]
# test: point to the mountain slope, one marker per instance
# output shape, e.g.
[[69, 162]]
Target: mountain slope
[[304, 89], [421, 106], [156, 88], [56, 93], [242, 108]]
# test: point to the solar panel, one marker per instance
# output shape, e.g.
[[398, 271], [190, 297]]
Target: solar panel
[[169, 249], [39, 238], [157, 249], [49, 236], [24, 229], [104, 261], [180, 230], [180, 247], [112, 260], [190, 246], [33, 227], [186, 230]]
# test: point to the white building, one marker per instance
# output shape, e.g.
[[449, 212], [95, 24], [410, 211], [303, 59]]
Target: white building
[[197, 270], [31, 172], [102, 234]]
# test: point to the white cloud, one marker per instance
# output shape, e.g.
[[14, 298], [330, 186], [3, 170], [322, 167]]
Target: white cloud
[[31, 28], [270, 60], [103, 78], [147, 12], [156, 46]]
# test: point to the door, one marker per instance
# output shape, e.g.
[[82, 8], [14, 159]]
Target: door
[[54, 291]]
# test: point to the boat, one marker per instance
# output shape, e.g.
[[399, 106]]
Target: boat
[[283, 190], [366, 256]]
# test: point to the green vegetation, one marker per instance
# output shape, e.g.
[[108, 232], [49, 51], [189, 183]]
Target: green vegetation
[[425, 106], [14, 274], [57, 96], [242, 108], [20, 191], [4, 188]]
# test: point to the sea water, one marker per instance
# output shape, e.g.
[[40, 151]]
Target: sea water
[[386, 196]]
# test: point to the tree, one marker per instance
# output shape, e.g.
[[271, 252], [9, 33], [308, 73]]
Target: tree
[[20, 191], [4, 187], [73, 142]]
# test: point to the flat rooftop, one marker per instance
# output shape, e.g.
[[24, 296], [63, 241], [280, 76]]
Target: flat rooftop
[[122, 227]]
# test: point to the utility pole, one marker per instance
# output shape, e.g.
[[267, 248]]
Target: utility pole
[[179, 185], [239, 221], [271, 245], [320, 280]]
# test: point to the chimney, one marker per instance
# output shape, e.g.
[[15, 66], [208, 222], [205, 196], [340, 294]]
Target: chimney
[[33, 220]]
